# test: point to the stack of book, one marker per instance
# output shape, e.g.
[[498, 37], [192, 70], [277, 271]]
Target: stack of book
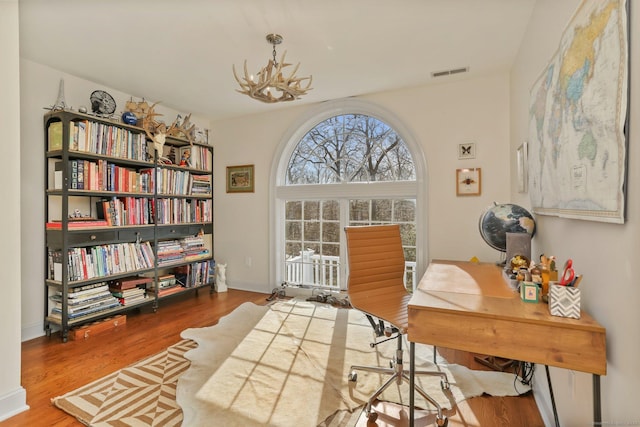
[[200, 185], [194, 248], [169, 251], [167, 284], [84, 301], [130, 290]]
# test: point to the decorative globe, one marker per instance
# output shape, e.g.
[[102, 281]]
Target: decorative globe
[[129, 118], [500, 219]]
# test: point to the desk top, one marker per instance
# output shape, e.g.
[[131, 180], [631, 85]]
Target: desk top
[[469, 306]]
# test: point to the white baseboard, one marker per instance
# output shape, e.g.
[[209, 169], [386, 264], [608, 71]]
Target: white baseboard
[[30, 332], [13, 403]]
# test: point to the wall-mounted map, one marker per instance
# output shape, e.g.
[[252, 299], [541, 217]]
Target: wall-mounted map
[[577, 116]]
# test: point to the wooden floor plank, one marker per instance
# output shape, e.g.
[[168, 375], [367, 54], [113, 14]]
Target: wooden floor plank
[[51, 368]]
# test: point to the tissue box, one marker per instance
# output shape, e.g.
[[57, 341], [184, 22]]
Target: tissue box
[[564, 301]]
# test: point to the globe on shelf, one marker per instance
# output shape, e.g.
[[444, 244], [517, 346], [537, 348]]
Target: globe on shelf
[[498, 220]]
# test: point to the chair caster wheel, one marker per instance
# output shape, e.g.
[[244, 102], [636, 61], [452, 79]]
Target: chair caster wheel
[[442, 422], [353, 377]]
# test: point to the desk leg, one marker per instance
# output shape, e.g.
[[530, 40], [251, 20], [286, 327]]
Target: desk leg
[[553, 400], [412, 374], [597, 415]]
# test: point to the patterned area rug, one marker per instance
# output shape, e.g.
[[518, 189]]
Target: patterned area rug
[[143, 394]]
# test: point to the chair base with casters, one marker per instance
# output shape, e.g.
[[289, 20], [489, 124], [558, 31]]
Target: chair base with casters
[[397, 374]]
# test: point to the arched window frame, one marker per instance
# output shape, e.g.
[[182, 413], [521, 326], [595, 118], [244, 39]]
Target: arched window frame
[[280, 191]]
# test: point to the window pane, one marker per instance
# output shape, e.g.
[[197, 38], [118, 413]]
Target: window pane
[[381, 210], [293, 230], [331, 232], [330, 210], [311, 231], [408, 232], [358, 211], [292, 249], [350, 148], [311, 210], [293, 210], [405, 210]]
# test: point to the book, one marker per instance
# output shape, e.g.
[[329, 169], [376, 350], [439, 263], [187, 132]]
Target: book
[[73, 223], [54, 133], [129, 282]]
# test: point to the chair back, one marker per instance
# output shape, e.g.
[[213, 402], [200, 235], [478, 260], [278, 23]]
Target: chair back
[[376, 273]]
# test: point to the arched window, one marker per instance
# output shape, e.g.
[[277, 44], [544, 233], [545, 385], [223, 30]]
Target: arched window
[[345, 166]]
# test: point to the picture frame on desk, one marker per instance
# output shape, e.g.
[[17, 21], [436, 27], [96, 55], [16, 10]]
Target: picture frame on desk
[[240, 179]]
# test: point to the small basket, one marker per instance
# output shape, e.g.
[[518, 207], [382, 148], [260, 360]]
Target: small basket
[[564, 301]]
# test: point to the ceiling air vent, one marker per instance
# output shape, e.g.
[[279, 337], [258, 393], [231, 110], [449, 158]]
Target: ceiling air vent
[[450, 72]]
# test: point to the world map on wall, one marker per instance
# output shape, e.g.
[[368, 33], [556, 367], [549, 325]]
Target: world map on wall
[[577, 113]]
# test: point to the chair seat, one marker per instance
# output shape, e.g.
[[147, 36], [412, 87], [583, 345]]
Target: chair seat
[[388, 304]]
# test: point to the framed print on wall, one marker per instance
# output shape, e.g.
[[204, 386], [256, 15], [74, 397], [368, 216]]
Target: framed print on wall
[[523, 167], [468, 182], [240, 179]]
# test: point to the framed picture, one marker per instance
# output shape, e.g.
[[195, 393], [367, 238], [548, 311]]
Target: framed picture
[[523, 167], [240, 179], [468, 182], [529, 292], [467, 151]]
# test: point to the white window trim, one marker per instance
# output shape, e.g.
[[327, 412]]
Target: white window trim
[[279, 191]]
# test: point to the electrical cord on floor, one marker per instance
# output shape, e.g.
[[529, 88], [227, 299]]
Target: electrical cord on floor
[[523, 374]]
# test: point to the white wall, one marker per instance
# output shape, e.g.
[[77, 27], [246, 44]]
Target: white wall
[[39, 89], [604, 253], [12, 395], [439, 117]]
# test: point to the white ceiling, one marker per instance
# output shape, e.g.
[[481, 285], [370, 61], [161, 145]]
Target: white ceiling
[[181, 52]]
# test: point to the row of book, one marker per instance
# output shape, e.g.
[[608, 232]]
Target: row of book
[[99, 261], [104, 176], [184, 183], [180, 211], [100, 138], [196, 274], [118, 211]]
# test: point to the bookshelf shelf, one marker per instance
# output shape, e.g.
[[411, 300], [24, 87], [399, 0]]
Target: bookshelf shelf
[[122, 226]]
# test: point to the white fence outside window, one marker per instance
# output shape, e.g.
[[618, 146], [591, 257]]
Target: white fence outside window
[[310, 269]]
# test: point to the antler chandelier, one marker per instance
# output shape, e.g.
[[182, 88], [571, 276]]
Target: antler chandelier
[[272, 85]]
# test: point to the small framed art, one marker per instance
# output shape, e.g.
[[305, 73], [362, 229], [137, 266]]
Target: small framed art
[[467, 151], [529, 292], [240, 179], [468, 182]]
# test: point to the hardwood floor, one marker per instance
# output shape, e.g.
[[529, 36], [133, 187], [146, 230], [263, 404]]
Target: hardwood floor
[[51, 368]]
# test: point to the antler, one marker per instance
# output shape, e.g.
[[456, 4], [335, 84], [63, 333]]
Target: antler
[[271, 78]]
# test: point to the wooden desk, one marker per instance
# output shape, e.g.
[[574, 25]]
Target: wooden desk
[[470, 307]]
